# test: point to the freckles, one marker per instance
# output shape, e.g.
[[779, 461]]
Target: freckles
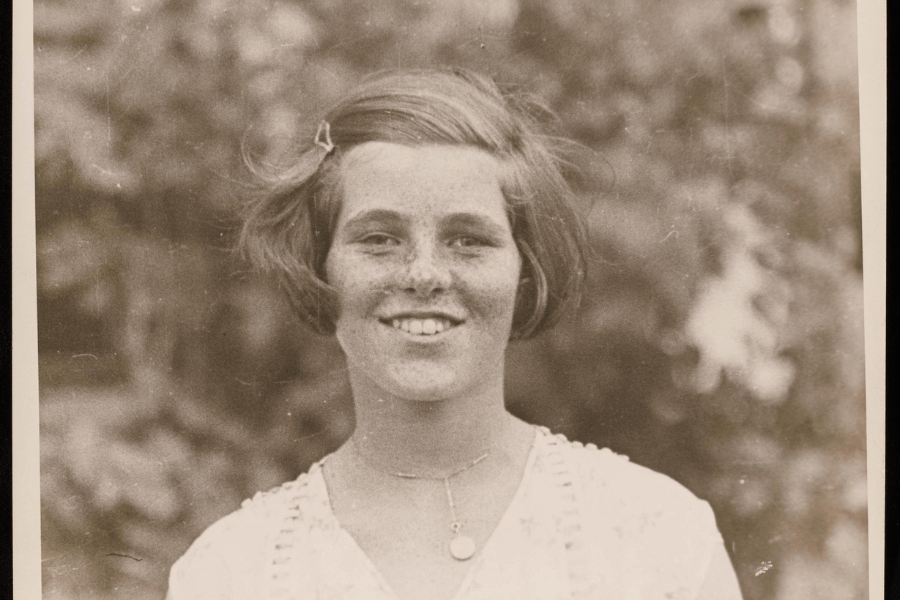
[[354, 281], [491, 290], [491, 298]]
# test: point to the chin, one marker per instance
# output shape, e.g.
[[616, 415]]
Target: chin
[[417, 394], [421, 385]]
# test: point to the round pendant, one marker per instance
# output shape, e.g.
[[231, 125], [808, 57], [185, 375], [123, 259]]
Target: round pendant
[[462, 547]]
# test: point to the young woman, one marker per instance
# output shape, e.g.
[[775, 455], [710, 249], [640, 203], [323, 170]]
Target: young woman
[[426, 226]]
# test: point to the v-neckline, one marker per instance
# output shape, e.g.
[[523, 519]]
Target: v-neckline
[[470, 573]]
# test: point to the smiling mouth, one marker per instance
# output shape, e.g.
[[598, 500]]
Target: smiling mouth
[[424, 327]]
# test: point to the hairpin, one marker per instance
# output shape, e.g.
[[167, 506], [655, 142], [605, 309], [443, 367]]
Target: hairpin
[[327, 143]]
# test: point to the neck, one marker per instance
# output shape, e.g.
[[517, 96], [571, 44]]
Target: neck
[[430, 437]]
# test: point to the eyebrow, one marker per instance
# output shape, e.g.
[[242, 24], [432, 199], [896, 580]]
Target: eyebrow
[[376, 215], [452, 220], [483, 223]]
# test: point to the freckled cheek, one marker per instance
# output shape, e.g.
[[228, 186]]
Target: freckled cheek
[[493, 296], [357, 286]]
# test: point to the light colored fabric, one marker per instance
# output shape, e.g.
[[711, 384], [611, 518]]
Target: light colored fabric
[[585, 523]]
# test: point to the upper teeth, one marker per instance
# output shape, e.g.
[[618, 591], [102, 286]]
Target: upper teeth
[[421, 326]]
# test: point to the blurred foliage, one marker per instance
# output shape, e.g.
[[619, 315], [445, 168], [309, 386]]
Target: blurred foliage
[[720, 341]]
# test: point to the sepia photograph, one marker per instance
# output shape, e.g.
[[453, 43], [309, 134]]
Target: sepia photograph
[[450, 299]]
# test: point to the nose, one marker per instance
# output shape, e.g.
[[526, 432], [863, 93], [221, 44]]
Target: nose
[[426, 271]]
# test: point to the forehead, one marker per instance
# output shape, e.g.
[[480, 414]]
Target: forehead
[[420, 180]]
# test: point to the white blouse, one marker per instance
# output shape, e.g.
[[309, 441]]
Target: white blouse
[[584, 523]]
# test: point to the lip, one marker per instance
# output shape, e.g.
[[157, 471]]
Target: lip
[[454, 320], [450, 321]]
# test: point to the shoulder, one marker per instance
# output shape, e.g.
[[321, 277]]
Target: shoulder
[[254, 517], [634, 496], [231, 554], [653, 530]]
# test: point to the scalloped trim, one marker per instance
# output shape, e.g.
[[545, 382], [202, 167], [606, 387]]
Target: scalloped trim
[[571, 499], [569, 493], [280, 560]]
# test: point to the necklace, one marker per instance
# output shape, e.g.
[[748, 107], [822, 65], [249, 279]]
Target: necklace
[[462, 547]]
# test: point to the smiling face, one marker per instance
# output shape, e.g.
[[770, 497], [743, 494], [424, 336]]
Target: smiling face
[[425, 269]]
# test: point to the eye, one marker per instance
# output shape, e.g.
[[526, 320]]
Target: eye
[[468, 241], [379, 239]]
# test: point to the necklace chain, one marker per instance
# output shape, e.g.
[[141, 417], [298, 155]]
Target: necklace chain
[[403, 475], [461, 547]]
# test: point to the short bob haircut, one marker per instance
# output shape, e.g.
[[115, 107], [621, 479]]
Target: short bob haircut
[[288, 230]]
